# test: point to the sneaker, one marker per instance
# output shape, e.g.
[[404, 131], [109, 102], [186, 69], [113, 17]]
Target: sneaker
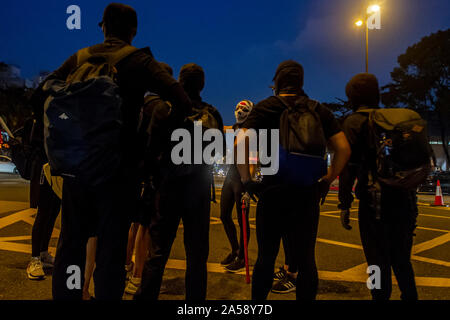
[[47, 260], [236, 266], [35, 269], [129, 267], [285, 285], [133, 285], [229, 259], [281, 274], [129, 270]]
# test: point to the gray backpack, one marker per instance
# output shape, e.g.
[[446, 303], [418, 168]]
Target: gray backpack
[[398, 137]]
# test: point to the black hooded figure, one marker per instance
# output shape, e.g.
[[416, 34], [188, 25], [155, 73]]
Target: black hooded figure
[[387, 218], [286, 211], [184, 195]]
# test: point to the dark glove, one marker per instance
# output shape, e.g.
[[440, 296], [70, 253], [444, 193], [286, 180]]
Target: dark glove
[[324, 187], [345, 219], [253, 188]]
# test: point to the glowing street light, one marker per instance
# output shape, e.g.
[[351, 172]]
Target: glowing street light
[[373, 10]]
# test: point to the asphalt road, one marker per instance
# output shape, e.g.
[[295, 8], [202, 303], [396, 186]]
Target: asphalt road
[[339, 254]]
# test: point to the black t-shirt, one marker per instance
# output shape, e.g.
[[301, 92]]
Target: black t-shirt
[[267, 113], [355, 127]]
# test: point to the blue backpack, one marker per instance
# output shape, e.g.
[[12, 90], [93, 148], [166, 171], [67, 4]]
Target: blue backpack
[[83, 119]]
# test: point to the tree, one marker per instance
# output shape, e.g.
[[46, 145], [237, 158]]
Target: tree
[[421, 81], [14, 97], [14, 107], [340, 108]]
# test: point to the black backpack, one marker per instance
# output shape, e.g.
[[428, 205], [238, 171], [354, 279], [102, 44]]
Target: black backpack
[[203, 113], [398, 138], [83, 119], [303, 144]]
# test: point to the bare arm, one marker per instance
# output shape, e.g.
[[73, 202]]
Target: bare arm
[[342, 153]]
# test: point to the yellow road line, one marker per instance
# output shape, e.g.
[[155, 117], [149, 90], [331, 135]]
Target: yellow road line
[[433, 216], [16, 238], [426, 245], [325, 213], [12, 218], [338, 243], [323, 275], [429, 260]]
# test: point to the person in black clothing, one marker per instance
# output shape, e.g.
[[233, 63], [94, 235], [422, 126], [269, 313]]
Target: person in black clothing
[[386, 224], [106, 206], [232, 192], [48, 209], [43, 198], [287, 210], [149, 179], [184, 194]]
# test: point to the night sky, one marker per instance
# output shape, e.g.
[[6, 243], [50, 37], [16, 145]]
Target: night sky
[[238, 43]]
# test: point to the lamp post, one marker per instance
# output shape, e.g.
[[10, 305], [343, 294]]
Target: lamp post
[[371, 12]]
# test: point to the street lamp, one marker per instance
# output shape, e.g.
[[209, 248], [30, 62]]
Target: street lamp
[[373, 10]]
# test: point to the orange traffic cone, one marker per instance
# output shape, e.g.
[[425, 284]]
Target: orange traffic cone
[[438, 199]]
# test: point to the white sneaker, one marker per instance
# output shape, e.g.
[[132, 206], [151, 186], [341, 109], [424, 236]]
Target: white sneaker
[[47, 259], [133, 285], [35, 270]]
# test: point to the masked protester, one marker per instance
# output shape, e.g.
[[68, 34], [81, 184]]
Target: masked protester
[[184, 194], [232, 192], [289, 202], [387, 216]]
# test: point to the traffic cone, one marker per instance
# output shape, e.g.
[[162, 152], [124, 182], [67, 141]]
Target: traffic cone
[[438, 199]]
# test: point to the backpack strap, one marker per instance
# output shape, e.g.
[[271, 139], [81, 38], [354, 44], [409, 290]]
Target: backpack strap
[[309, 103], [113, 58], [288, 107]]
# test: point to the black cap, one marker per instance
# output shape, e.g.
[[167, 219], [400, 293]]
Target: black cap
[[118, 16]]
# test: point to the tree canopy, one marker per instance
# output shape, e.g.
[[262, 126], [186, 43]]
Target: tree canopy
[[421, 81]]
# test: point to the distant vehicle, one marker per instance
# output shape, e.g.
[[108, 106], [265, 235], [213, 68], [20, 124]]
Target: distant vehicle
[[6, 165], [429, 186]]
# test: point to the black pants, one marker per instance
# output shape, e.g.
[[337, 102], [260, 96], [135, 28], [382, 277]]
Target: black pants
[[232, 194], [101, 210], [294, 213], [388, 240], [187, 199], [49, 206], [289, 253]]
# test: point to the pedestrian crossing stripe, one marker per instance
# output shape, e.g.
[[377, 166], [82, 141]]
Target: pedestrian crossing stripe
[[354, 274]]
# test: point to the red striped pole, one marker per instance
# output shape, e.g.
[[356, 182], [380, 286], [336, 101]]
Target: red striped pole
[[244, 227]]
